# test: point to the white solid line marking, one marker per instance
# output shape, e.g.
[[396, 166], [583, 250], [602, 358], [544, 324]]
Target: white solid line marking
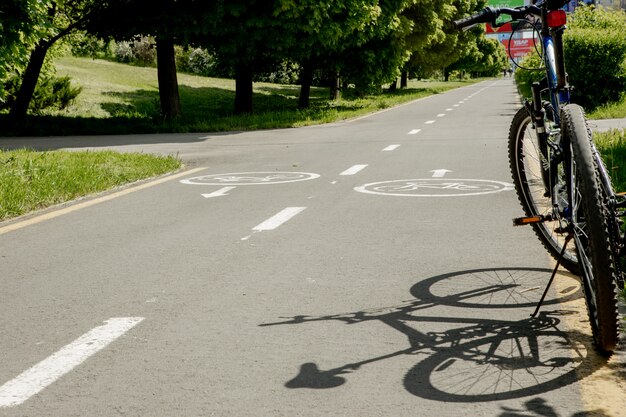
[[51, 215], [415, 131], [391, 148], [35, 379], [280, 218], [441, 114], [353, 170], [219, 193], [429, 122]]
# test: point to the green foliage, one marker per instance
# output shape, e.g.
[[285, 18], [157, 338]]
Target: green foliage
[[485, 58], [22, 23], [434, 45], [528, 74], [85, 45], [595, 55], [612, 147], [56, 93], [494, 58], [123, 99]]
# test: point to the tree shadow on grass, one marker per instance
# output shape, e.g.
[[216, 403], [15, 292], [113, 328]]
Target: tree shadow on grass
[[205, 109]]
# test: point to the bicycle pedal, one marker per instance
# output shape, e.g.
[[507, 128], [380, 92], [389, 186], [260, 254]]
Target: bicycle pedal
[[522, 221]]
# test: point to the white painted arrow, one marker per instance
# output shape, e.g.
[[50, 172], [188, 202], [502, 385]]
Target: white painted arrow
[[439, 173], [219, 193]]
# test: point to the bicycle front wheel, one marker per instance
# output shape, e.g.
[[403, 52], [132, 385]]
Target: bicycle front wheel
[[528, 159], [589, 223]]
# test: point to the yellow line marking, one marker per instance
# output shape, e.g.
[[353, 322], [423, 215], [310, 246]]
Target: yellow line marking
[[60, 212]]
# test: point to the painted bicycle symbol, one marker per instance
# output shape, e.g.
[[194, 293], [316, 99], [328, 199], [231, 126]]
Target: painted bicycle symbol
[[250, 178], [434, 187]]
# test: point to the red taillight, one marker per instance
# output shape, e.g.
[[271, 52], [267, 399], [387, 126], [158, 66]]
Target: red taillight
[[557, 18]]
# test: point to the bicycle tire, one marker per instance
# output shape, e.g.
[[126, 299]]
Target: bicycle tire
[[525, 160], [591, 233]]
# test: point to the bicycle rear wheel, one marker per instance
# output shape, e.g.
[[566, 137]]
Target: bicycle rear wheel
[[589, 223], [527, 159]]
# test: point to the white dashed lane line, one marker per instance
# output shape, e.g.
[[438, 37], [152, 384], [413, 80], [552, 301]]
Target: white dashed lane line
[[278, 219], [391, 148], [354, 169], [46, 372], [415, 131], [429, 122]]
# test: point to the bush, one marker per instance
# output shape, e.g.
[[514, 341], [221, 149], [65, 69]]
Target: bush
[[51, 93], [201, 62], [140, 51], [124, 53], [286, 72], [524, 78], [595, 56], [85, 45], [144, 51]]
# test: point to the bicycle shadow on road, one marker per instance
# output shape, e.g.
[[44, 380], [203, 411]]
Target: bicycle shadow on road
[[485, 359]]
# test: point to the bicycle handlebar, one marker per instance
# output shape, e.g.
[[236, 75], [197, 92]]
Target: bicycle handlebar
[[490, 14]]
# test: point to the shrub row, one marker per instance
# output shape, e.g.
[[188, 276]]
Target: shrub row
[[595, 57]]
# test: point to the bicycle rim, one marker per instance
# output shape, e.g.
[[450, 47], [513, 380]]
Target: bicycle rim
[[526, 160], [591, 234]]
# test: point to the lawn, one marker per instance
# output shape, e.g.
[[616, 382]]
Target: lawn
[[119, 98], [31, 180]]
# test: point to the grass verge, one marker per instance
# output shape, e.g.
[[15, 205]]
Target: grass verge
[[616, 110], [612, 147], [123, 99], [31, 180]]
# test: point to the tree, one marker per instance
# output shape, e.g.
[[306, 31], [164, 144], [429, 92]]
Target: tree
[[20, 26], [59, 18], [434, 44], [315, 33], [167, 20], [361, 40]]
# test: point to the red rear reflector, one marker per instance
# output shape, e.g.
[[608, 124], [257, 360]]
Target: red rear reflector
[[557, 18]]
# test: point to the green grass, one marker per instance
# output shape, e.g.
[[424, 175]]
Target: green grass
[[118, 98], [31, 180], [615, 110], [612, 147]]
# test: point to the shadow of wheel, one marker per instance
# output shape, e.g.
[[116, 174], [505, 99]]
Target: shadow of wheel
[[517, 364], [496, 288]]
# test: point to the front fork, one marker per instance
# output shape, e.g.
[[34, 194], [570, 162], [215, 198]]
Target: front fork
[[553, 153]]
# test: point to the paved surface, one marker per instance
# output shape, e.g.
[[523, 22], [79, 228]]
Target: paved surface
[[364, 268]]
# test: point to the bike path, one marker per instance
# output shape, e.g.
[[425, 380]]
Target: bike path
[[358, 304]]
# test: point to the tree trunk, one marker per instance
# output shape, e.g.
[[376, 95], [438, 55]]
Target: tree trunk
[[393, 86], [29, 82], [168, 80], [243, 86], [446, 74], [404, 79], [306, 79], [335, 88]]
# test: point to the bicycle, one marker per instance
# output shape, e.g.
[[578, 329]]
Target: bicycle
[[560, 179]]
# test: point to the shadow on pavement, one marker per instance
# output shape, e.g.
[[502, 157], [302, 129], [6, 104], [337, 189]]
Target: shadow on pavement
[[485, 359]]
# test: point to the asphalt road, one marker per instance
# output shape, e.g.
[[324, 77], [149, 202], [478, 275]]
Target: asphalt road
[[362, 268]]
